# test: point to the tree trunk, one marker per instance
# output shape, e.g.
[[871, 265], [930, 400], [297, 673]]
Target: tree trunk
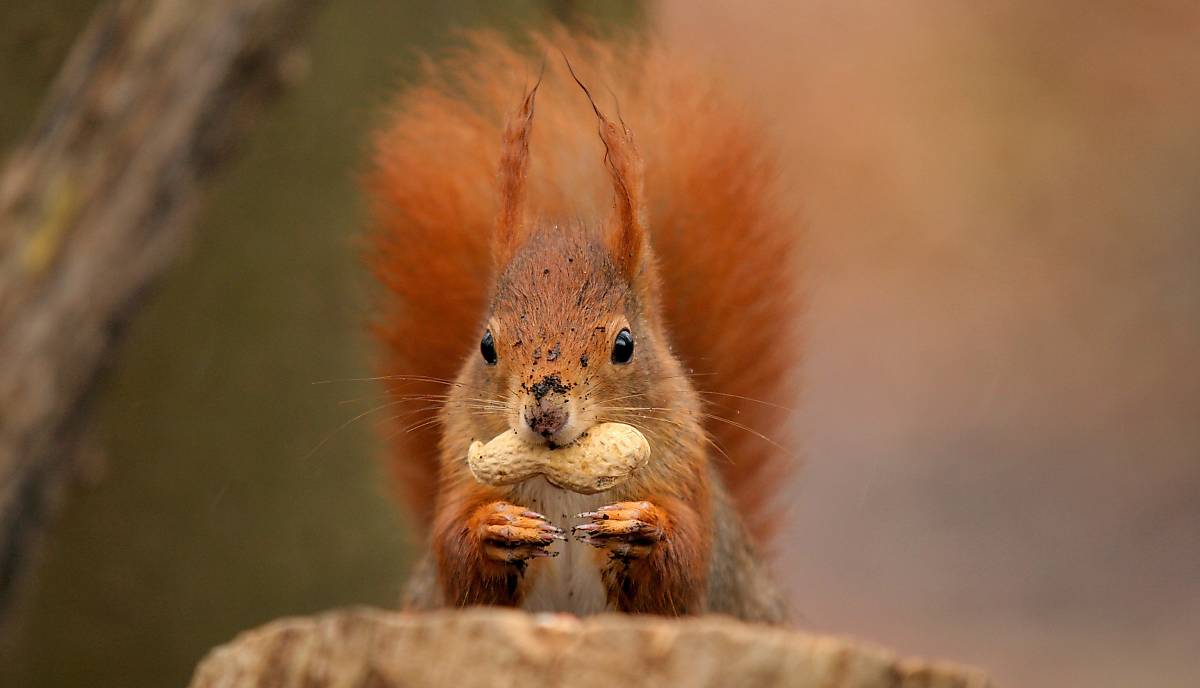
[[505, 648], [96, 202]]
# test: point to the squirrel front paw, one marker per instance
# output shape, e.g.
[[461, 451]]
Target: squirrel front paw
[[513, 534], [627, 530]]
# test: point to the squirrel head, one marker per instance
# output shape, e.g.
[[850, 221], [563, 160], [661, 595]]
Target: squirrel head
[[572, 336]]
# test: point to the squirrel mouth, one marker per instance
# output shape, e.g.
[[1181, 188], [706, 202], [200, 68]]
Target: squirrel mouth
[[552, 444], [553, 429]]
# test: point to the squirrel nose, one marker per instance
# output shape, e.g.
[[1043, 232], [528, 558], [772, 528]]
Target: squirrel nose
[[546, 421]]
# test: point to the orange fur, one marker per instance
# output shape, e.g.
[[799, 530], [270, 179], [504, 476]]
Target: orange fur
[[661, 580], [724, 251], [466, 574], [675, 245]]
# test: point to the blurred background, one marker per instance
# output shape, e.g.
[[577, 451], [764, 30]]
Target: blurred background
[[1000, 417]]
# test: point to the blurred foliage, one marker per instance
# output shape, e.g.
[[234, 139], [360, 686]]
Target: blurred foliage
[[235, 488]]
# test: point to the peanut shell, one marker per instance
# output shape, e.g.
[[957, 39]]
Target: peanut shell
[[601, 458]]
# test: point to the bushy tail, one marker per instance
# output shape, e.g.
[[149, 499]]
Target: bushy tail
[[725, 247]]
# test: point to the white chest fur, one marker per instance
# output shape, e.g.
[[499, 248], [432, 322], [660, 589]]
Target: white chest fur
[[569, 582]]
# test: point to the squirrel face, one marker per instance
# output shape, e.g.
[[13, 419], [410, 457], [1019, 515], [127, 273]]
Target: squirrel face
[[571, 302], [566, 343]]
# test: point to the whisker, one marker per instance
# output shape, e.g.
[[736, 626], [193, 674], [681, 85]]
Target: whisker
[[751, 399], [661, 378], [370, 397], [343, 426], [672, 421], [426, 420], [747, 428], [431, 421], [635, 408], [476, 405], [621, 398], [379, 378], [663, 437], [401, 378], [453, 399], [447, 398], [402, 430]]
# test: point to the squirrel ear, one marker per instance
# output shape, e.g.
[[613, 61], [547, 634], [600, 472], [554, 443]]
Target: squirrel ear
[[511, 226], [624, 232]]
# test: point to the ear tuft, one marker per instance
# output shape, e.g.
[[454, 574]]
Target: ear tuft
[[511, 226], [625, 232]]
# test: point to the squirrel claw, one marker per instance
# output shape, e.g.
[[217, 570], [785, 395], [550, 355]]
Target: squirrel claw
[[625, 529], [513, 534]]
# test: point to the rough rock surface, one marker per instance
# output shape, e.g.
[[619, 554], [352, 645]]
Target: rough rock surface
[[498, 648]]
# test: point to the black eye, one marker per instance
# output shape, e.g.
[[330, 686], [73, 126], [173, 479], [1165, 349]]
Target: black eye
[[487, 347], [622, 347]]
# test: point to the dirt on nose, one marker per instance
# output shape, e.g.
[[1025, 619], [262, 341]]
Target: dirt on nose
[[550, 383], [546, 422]]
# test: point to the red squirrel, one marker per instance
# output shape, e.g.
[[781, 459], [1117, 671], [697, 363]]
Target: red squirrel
[[592, 279]]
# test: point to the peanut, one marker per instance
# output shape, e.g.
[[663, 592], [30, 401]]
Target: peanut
[[601, 458]]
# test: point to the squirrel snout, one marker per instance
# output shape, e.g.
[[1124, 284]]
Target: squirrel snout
[[546, 421], [546, 412]]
